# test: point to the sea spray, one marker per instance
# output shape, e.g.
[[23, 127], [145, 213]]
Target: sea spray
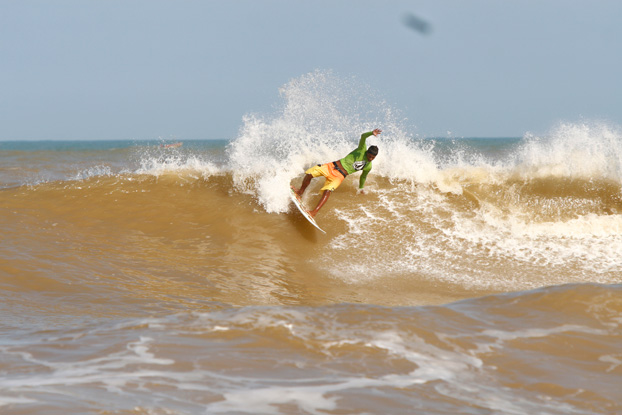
[[321, 120], [585, 150], [190, 161]]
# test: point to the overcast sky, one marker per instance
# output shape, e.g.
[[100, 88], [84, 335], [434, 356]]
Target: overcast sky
[[143, 69]]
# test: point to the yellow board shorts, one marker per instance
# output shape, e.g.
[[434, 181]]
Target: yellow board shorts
[[333, 177]]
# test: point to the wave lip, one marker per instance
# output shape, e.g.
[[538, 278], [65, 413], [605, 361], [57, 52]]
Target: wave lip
[[585, 151]]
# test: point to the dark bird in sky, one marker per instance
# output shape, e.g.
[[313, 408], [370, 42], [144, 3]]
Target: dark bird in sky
[[416, 23]]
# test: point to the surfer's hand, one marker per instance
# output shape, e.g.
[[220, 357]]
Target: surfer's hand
[[361, 191], [377, 131]]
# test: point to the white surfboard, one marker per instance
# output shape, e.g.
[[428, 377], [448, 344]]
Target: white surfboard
[[301, 207]]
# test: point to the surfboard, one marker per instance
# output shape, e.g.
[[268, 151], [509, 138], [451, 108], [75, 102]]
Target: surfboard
[[301, 207]]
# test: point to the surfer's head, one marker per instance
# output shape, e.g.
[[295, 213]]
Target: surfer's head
[[372, 152]]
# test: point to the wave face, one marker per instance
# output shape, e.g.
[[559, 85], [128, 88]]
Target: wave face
[[145, 278]]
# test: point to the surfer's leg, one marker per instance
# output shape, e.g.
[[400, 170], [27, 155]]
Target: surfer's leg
[[323, 200], [305, 183], [315, 171], [333, 180]]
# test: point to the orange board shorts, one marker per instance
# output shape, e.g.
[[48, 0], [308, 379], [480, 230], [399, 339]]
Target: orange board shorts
[[333, 177]]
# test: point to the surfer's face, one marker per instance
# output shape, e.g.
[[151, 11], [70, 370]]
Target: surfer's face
[[370, 157]]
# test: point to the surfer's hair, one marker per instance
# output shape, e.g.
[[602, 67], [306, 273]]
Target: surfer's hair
[[373, 150]]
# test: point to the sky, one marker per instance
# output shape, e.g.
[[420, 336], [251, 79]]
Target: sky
[[147, 69]]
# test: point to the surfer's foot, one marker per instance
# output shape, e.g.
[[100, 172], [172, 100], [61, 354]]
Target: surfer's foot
[[297, 191]]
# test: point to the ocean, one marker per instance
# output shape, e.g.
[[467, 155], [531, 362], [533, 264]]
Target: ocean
[[475, 276]]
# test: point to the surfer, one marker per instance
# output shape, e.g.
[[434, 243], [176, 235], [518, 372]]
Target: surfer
[[334, 172]]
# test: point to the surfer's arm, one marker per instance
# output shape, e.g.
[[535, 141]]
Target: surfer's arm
[[362, 140], [364, 137], [363, 178]]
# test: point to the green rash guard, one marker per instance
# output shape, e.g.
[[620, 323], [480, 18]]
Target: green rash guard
[[356, 160]]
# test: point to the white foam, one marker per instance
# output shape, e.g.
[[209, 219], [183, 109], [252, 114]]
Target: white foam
[[10, 400], [433, 363], [310, 399], [505, 335], [101, 369], [615, 361]]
